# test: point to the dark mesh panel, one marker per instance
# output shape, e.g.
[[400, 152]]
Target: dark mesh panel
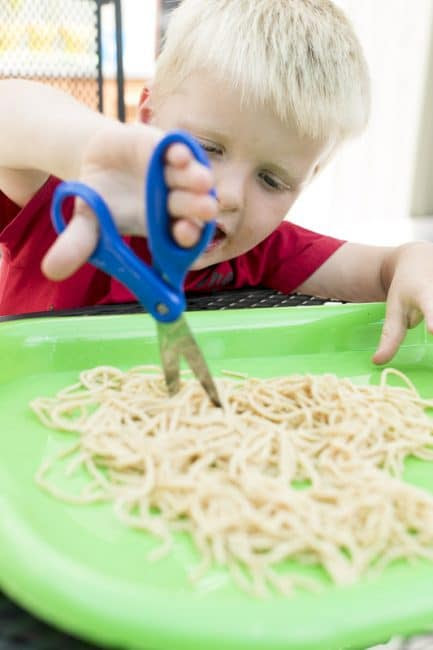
[[240, 299], [53, 41]]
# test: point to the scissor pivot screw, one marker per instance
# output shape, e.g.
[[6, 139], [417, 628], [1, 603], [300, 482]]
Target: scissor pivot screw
[[162, 309]]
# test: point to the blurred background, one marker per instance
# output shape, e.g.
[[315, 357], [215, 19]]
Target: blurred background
[[378, 189]]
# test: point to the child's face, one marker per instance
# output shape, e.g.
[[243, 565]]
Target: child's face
[[260, 165]]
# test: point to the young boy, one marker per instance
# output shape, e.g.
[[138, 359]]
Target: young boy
[[270, 88]]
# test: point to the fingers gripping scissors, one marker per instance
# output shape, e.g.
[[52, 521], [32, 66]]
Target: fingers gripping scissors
[[159, 287]]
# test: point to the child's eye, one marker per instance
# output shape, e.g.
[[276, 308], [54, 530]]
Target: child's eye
[[211, 149], [272, 182]]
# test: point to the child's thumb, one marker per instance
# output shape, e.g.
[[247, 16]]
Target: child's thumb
[[72, 248]]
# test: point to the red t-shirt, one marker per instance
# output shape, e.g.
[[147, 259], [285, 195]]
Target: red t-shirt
[[286, 258]]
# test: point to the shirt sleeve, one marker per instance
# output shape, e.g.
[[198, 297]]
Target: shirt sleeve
[[289, 256]]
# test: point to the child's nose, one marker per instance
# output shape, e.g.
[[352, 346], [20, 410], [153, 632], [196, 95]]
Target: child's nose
[[231, 186]]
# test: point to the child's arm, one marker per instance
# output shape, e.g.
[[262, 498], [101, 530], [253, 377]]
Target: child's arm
[[47, 132], [403, 276]]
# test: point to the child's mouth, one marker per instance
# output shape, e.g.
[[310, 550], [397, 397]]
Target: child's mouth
[[217, 239]]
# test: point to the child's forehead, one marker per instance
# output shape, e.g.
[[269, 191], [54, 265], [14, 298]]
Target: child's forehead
[[210, 100], [216, 106]]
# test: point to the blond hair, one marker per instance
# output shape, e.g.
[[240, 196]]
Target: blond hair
[[301, 57]]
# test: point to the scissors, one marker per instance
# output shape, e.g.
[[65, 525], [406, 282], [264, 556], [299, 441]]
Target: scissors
[[159, 287]]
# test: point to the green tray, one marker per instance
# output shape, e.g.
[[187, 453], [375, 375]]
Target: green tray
[[80, 569]]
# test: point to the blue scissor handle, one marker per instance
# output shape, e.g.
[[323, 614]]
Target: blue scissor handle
[[171, 260], [159, 289], [114, 257]]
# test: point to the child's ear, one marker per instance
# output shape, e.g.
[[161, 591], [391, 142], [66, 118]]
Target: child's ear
[[145, 112]]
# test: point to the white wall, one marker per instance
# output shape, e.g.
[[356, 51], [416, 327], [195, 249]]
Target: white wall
[[365, 193]]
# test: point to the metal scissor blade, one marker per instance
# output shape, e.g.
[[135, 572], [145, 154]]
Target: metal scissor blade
[[177, 340], [196, 361], [170, 356]]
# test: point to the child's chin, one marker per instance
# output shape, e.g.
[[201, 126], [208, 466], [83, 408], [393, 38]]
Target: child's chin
[[212, 255], [209, 258]]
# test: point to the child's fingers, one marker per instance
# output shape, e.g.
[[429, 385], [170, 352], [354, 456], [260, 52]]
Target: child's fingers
[[189, 210], [429, 321], [425, 311], [72, 248], [179, 155], [393, 333], [193, 177], [195, 206], [186, 232]]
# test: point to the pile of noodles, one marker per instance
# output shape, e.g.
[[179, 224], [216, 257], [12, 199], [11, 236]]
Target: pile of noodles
[[305, 468]]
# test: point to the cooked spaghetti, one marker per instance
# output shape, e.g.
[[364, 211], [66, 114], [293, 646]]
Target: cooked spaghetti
[[305, 468]]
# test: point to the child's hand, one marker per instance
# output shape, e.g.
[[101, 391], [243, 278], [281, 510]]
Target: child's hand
[[409, 272], [115, 165]]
